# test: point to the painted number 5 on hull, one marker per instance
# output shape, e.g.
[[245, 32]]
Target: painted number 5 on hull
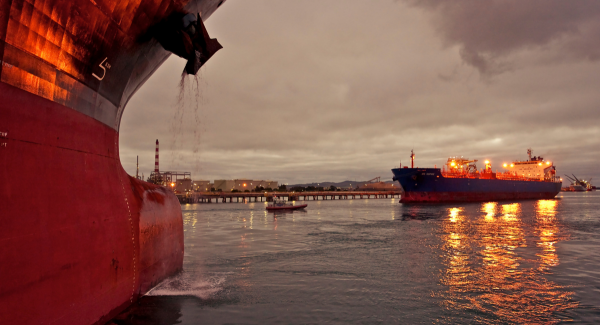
[[106, 66]]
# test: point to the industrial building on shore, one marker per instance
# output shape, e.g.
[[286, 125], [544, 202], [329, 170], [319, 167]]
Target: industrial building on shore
[[181, 182], [225, 185], [242, 184]]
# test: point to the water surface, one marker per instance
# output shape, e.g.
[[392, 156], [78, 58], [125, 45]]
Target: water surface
[[378, 261]]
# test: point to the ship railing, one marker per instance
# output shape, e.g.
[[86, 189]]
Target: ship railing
[[514, 177], [459, 175], [502, 176]]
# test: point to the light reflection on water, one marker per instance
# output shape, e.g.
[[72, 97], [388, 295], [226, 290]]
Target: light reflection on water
[[483, 267], [377, 261], [547, 231]]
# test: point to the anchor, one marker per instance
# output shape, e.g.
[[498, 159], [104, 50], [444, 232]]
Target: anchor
[[186, 36]]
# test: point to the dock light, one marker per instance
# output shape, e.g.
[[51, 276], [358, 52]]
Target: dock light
[[172, 184], [547, 163], [540, 164], [505, 165], [512, 165], [452, 163], [487, 162]]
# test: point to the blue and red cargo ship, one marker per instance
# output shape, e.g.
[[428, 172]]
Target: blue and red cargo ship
[[460, 181]]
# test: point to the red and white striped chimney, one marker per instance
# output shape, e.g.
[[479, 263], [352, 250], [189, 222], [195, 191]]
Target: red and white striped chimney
[[156, 158]]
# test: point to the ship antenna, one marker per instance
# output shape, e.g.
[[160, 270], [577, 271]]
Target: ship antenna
[[529, 152], [137, 166]]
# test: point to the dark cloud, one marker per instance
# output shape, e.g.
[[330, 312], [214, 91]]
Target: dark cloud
[[489, 31]]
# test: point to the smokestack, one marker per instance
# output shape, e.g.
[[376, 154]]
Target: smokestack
[[156, 158]]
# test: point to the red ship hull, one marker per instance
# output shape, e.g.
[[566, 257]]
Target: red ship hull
[[440, 197], [80, 238]]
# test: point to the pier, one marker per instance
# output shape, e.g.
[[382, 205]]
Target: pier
[[243, 197]]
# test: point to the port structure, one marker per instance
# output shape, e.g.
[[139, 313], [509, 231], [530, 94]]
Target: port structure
[[169, 179], [243, 197]]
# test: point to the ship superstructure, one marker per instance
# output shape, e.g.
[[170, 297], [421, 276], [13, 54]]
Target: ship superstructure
[[534, 167], [460, 180]]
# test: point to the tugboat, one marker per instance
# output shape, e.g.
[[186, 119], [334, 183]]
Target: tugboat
[[279, 204]]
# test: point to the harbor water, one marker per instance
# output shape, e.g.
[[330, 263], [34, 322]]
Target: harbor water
[[378, 261]]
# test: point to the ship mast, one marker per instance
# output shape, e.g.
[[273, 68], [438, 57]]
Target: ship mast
[[412, 159]]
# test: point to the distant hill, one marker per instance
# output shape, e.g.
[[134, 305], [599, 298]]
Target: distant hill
[[344, 184]]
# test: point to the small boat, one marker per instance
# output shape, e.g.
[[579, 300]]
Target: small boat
[[279, 204]]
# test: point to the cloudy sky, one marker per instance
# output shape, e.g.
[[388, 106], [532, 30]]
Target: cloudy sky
[[339, 90]]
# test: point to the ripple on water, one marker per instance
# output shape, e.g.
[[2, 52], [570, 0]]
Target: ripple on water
[[190, 284], [377, 261]]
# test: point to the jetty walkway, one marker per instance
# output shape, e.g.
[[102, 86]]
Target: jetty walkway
[[243, 197]]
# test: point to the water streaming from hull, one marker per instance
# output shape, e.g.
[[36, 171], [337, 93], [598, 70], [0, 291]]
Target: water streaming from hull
[[186, 132]]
